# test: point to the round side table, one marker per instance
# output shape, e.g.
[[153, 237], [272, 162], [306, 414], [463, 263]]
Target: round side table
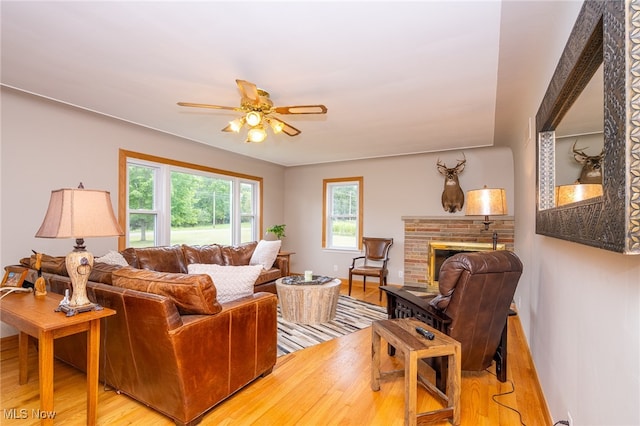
[[308, 303]]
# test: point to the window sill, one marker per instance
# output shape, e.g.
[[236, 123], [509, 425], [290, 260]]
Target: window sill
[[341, 250]]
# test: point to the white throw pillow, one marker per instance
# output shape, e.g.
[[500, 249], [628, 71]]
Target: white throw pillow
[[113, 258], [265, 253], [231, 282]]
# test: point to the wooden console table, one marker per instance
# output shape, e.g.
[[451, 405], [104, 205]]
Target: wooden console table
[[36, 316]]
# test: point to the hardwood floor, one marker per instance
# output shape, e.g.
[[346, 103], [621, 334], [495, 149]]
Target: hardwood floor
[[322, 385]]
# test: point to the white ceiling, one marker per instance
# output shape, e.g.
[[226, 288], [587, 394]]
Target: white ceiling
[[397, 77]]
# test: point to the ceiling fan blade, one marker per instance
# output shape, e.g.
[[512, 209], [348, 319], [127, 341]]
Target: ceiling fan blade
[[283, 127], [249, 91], [301, 109], [189, 104]]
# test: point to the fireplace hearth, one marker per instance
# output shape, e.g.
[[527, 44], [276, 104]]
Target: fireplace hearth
[[420, 231], [439, 251]]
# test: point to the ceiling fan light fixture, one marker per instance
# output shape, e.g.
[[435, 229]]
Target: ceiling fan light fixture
[[253, 118], [256, 107], [235, 125], [276, 125], [256, 134]]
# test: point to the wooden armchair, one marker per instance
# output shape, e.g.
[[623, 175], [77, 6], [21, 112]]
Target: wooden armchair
[[373, 263]]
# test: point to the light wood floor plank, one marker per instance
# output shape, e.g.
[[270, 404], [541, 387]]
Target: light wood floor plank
[[328, 384]]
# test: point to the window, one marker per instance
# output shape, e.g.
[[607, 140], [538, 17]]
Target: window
[[170, 202], [247, 212], [342, 218], [142, 205]]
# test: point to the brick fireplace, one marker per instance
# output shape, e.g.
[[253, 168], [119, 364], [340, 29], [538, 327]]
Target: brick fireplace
[[419, 231]]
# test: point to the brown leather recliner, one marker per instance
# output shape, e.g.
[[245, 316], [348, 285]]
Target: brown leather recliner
[[476, 291]]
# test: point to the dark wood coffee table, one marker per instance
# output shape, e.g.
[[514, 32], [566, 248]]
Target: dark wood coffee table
[[403, 302]]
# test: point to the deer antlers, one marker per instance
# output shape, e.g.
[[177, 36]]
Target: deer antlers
[[591, 165], [443, 169], [452, 196]]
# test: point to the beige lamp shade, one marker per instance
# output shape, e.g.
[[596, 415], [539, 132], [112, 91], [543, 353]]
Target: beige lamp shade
[[486, 202], [566, 194], [79, 213]]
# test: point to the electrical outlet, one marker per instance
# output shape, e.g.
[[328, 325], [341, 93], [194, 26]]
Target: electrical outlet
[[569, 418], [400, 274], [335, 268], [519, 302]]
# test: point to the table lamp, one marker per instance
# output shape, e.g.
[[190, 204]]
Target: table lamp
[[566, 194], [79, 213], [487, 202]]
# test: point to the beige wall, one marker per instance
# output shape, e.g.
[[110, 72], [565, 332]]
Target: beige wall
[[580, 307]]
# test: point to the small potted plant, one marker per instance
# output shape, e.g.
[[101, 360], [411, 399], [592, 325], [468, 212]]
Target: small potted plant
[[277, 230]]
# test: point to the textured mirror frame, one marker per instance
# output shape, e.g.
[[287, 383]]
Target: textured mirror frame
[[609, 32]]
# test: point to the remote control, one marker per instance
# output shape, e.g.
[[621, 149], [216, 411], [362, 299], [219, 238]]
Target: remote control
[[426, 333]]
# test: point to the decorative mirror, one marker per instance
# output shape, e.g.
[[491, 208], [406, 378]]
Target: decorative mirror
[[605, 36]]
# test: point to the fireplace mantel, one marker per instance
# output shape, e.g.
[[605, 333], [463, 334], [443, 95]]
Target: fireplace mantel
[[453, 218], [419, 231]]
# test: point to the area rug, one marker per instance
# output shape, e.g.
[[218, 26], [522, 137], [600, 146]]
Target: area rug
[[351, 315]]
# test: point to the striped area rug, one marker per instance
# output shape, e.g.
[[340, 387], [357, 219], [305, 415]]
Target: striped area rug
[[351, 315]]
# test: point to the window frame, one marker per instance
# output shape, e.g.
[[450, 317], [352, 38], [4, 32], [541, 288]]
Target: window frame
[[255, 201], [155, 161], [157, 210], [326, 214]]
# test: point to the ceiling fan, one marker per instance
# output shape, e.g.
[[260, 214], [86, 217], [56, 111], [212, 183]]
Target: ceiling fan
[[258, 109]]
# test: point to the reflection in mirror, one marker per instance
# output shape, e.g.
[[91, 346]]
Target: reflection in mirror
[[605, 31], [586, 114], [579, 145], [567, 194], [578, 158]]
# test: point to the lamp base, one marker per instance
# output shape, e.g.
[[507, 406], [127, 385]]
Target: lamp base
[[73, 310], [79, 263]]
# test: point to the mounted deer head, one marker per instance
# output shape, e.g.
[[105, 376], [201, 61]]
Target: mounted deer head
[[452, 196], [591, 165]]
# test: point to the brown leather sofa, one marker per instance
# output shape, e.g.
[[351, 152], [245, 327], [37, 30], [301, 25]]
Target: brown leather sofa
[[179, 365], [174, 259], [174, 348]]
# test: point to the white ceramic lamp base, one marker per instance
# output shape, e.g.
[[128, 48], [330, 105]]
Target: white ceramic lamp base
[[79, 264]]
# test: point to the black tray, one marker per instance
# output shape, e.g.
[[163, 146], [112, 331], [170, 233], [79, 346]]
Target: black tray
[[299, 280]]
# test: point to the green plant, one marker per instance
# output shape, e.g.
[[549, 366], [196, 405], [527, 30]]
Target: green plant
[[277, 230]]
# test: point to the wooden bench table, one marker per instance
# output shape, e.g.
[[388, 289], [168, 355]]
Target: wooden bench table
[[402, 335]]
